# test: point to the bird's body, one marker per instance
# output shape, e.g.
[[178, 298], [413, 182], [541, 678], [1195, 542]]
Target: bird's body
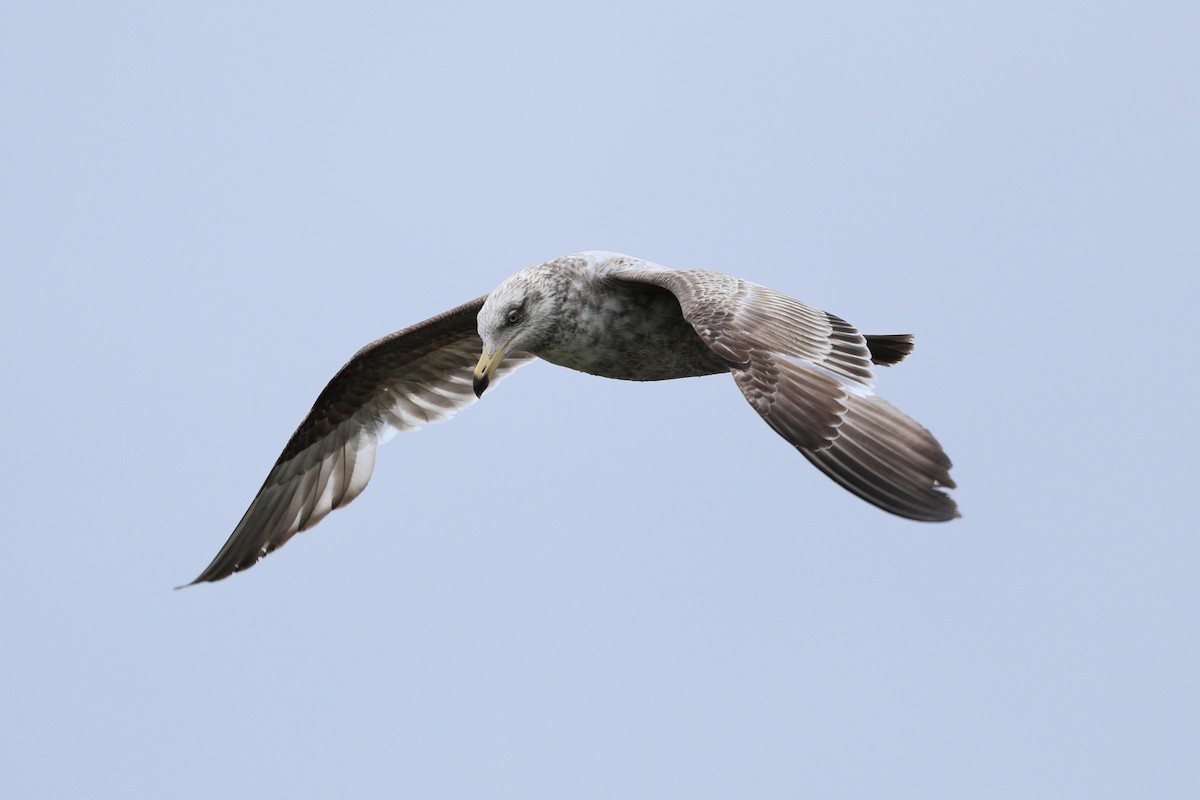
[[617, 329], [806, 372]]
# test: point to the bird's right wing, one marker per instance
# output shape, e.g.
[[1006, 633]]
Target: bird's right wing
[[416, 376]]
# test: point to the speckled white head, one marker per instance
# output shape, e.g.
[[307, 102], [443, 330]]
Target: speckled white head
[[521, 314]]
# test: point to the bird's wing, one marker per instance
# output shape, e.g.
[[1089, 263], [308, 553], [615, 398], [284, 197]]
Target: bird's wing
[[416, 376], [808, 374]]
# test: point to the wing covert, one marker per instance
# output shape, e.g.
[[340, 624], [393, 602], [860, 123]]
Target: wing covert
[[794, 363]]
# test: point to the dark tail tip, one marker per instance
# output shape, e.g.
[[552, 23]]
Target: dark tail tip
[[889, 348]]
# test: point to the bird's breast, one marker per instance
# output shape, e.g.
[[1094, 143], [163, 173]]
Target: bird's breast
[[633, 335]]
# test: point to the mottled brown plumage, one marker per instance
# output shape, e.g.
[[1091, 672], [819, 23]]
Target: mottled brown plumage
[[409, 378], [808, 374]]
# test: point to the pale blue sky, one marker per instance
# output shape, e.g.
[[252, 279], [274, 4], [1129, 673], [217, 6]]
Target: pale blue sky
[[583, 588]]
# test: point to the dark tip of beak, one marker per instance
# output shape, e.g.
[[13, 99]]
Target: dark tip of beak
[[480, 385]]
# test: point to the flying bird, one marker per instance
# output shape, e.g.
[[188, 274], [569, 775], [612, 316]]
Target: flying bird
[[807, 372]]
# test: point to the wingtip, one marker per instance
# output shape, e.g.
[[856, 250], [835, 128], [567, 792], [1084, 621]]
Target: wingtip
[[891, 461]]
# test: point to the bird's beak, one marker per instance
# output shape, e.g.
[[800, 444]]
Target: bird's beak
[[485, 369]]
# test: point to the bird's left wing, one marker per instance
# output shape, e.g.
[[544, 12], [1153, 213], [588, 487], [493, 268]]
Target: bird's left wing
[[416, 376], [792, 362], [808, 374]]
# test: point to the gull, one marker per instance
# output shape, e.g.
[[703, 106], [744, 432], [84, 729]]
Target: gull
[[808, 373]]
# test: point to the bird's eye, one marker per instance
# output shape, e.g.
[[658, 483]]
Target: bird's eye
[[514, 317]]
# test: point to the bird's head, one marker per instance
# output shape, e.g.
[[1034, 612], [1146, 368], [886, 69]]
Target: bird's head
[[519, 316]]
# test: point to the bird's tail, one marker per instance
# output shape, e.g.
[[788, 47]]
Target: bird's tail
[[889, 348]]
